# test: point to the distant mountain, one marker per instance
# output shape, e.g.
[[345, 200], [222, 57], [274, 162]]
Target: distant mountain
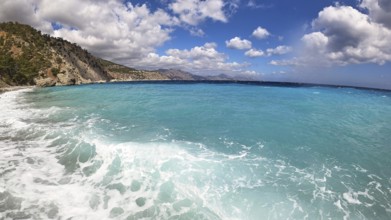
[[220, 77], [175, 74], [122, 73]]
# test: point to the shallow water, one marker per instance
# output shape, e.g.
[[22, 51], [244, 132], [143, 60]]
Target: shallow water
[[195, 151]]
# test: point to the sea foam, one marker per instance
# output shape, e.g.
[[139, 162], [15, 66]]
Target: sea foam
[[92, 152]]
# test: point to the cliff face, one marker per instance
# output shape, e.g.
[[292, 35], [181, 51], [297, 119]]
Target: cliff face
[[28, 57]]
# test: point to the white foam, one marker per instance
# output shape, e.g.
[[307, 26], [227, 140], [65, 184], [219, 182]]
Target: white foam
[[339, 206], [360, 169], [169, 177], [351, 198], [10, 111], [140, 161]]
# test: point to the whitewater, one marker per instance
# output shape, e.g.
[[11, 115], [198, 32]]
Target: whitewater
[[195, 151]]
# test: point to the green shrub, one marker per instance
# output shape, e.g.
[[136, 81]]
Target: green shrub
[[55, 71]]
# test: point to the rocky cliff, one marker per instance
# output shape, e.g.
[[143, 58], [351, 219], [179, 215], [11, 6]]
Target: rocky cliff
[[28, 57]]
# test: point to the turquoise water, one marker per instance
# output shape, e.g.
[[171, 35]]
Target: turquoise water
[[195, 151]]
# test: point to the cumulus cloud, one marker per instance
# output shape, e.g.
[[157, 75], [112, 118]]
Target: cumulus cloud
[[128, 33], [239, 44], [349, 36], [251, 73], [343, 35], [23, 11], [261, 33], [254, 53], [279, 50], [197, 32], [202, 60], [109, 29], [193, 12], [379, 11]]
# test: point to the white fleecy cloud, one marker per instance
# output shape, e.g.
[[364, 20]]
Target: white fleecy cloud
[[254, 53], [238, 44], [379, 11], [202, 60], [23, 11], [261, 33], [279, 50], [109, 29], [193, 12], [252, 73], [343, 35], [196, 32], [349, 36], [125, 33]]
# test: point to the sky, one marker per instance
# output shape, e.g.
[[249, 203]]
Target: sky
[[345, 42]]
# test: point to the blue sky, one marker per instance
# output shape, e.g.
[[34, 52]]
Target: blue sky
[[338, 42]]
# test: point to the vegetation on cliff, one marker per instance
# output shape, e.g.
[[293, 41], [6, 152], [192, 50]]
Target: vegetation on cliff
[[23, 54], [27, 56], [120, 72]]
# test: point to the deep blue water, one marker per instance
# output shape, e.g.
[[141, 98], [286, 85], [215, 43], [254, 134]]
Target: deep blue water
[[195, 151]]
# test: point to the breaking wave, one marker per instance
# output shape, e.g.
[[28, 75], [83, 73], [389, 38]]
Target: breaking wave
[[62, 159]]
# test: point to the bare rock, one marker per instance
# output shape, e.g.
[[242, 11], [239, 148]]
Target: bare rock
[[45, 82], [65, 79]]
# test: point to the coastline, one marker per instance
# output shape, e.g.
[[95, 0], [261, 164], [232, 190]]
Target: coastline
[[254, 82], [14, 88], [259, 83]]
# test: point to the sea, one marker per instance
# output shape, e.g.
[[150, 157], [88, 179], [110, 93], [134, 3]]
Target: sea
[[195, 151]]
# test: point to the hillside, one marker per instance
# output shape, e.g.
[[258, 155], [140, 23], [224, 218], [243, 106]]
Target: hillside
[[122, 73], [28, 57]]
